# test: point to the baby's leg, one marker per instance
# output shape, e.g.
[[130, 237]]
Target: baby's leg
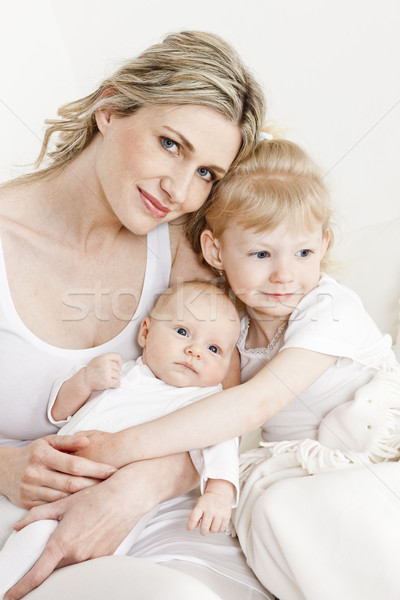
[[21, 551]]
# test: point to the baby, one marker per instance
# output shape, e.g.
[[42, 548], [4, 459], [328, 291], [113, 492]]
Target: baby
[[188, 343]]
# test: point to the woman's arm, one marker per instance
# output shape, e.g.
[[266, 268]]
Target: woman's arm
[[45, 471], [94, 522], [228, 414]]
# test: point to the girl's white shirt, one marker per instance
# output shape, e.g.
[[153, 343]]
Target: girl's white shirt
[[29, 366], [332, 320]]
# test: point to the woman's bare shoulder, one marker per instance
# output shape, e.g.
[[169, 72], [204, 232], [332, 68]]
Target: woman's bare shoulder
[[9, 207], [18, 213], [185, 263]]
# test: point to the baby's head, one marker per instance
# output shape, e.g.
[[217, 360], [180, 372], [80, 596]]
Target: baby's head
[[190, 336], [269, 227]]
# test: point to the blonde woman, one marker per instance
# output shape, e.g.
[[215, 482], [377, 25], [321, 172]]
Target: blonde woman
[[86, 247]]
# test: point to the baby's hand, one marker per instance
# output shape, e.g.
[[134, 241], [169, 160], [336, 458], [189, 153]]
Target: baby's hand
[[103, 372], [213, 509]]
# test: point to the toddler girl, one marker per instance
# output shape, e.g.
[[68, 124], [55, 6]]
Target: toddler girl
[[316, 365]]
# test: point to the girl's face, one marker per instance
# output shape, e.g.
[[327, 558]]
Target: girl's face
[[161, 162], [269, 272]]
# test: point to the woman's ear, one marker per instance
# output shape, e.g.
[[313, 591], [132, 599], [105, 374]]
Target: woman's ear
[[144, 332], [211, 249], [103, 115]]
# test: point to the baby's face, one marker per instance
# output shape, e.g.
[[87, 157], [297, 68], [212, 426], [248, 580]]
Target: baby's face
[[189, 341]]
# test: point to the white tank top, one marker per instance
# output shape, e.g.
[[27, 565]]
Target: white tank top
[[29, 366]]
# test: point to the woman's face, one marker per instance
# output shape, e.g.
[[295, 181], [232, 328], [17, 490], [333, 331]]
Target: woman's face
[[161, 162]]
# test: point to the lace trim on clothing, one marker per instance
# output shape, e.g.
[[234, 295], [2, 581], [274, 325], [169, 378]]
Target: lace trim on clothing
[[265, 349]]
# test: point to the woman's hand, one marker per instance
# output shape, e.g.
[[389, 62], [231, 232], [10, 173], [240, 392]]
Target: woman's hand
[[46, 470], [93, 522]]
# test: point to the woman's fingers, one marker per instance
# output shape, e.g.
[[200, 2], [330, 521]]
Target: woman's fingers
[[59, 486], [45, 464], [77, 465]]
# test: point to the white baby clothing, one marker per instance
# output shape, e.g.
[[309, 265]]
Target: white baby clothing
[[143, 397], [331, 320]]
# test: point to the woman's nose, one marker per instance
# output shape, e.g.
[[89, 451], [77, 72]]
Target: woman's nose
[[177, 185], [193, 351]]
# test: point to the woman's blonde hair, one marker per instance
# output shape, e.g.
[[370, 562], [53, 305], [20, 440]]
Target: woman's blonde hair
[[190, 67], [278, 181]]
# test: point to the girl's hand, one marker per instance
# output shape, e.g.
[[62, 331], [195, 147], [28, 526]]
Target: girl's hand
[[103, 372], [46, 470], [103, 447]]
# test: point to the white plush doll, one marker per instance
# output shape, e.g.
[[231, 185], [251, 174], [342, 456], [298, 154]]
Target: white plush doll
[[368, 427]]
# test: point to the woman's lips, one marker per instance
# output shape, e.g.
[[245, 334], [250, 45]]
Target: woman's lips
[[155, 207]]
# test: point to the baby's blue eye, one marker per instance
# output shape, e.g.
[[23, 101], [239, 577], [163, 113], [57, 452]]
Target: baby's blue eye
[[303, 253], [261, 254], [213, 349], [182, 331]]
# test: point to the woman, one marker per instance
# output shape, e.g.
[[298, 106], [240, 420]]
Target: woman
[[87, 247]]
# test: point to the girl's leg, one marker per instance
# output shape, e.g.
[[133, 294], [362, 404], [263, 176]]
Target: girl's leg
[[330, 536]]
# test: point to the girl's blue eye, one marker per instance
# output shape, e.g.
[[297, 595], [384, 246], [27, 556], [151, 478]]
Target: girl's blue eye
[[168, 144], [213, 349], [261, 254], [206, 174], [182, 331], [303, 253]]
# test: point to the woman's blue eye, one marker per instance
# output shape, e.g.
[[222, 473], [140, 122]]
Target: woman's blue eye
[[182, 331], [303, 253], [168, 143], [213, 349], [206, 174]]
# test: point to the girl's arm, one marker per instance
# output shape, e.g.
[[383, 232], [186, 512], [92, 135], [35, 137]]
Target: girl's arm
[[229, 414]]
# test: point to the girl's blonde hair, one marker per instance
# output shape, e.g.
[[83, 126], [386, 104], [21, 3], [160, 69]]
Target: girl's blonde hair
[[190, 67], [278, 181]]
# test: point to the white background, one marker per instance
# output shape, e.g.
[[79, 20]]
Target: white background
[[330, 69]]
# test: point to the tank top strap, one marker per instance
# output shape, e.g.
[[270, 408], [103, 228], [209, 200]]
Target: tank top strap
[[158, 267]]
